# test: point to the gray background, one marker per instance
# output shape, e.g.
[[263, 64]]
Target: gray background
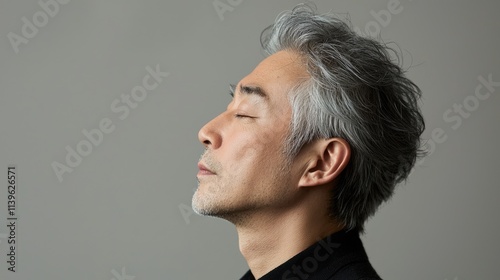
[[124, 210]]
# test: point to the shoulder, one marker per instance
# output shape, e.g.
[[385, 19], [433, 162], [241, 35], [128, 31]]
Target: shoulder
[[350, 262]]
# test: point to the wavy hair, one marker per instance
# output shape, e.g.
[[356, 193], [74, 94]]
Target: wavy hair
[[357, 92]]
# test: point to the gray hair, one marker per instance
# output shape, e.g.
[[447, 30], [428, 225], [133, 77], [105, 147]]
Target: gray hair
[[356, 92]]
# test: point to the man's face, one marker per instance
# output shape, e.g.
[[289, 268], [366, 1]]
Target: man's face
[[247, 170]]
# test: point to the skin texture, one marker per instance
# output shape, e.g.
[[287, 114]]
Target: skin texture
[[278, 209]]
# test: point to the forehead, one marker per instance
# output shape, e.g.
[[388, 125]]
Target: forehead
[[277, 74]]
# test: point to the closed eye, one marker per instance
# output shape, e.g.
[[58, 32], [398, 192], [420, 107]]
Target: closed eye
[[241, 116]]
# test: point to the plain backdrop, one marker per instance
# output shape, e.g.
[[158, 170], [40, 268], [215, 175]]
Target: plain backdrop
[[123, 212]]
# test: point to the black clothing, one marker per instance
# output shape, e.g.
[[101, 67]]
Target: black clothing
[[340, 256]]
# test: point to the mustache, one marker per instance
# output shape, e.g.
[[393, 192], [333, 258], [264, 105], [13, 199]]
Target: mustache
[[209, 161]]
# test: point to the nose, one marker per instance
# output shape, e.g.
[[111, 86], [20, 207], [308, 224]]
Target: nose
[[210, 134]]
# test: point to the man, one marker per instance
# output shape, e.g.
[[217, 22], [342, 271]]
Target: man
[[315, 138]]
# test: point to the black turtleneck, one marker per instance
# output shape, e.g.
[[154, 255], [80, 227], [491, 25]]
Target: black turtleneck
[[340, 255]]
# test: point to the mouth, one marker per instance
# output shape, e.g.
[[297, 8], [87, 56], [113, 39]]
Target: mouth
[[203, 170]]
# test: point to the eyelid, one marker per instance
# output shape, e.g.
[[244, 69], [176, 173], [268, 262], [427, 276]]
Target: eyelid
[[242, 116]]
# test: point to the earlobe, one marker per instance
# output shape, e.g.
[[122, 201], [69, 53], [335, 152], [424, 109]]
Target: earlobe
[[327, 159]]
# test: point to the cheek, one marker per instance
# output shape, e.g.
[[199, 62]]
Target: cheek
[[260, 152]]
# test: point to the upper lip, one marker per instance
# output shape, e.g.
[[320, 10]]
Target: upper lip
[[201, 166]]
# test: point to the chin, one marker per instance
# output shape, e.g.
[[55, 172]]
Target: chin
[[231, 215], [203, 206]]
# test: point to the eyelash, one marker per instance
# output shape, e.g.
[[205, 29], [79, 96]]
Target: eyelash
[[238, 116]]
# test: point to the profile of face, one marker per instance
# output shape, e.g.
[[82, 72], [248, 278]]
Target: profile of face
[[243, 169]]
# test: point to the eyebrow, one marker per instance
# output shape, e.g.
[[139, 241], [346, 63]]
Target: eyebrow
[[255, 90]]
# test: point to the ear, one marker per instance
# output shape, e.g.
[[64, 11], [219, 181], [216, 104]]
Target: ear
[[327, 158]]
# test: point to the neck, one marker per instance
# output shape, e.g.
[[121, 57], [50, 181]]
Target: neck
[[269, 238]]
